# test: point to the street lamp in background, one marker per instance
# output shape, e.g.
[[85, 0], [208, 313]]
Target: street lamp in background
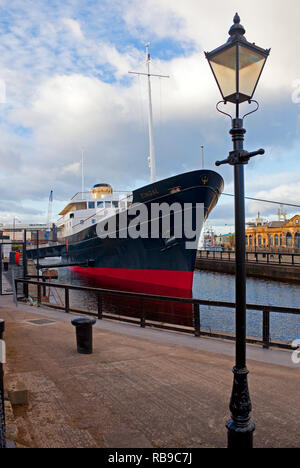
[[237, 66], [14, 226], [231, 234]]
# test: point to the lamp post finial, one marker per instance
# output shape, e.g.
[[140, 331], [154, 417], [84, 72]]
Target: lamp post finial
[[236, 29], [236, 18]]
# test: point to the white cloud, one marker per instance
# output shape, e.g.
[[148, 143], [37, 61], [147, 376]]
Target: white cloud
[[290, 193], [74, 27], [66, 73], [269, 23], [71, 168]]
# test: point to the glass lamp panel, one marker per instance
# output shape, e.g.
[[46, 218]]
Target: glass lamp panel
[[224, 68], [250, 67]]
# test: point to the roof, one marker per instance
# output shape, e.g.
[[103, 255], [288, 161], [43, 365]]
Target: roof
[[225, 235], [70, 207], [102, 185], [275, 224]]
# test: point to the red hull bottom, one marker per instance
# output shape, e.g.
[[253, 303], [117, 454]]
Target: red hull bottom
[[159, 282]]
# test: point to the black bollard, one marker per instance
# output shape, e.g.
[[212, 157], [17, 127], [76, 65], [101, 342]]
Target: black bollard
[[84, 334]]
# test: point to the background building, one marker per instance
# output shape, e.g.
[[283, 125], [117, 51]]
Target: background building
[[15, 232], [226, 241], [283, 233]]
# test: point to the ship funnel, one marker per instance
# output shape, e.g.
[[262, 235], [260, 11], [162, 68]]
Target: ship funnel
[[101, 190]]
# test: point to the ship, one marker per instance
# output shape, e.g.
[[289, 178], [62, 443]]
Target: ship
[[159, 264], [162, 265]]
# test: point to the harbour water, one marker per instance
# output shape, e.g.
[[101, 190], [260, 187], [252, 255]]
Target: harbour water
[[220, 287]]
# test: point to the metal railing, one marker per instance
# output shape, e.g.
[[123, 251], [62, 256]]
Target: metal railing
[[2, 422], [8, 269], [87, 196], [2, 408], [145, 318], [271, 258]]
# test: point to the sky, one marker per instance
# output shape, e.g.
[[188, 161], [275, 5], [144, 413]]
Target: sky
[[64, 87]]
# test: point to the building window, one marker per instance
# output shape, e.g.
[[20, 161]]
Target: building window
[[250, 240], [72, 216], [100, 204], [115, 204], [91, 205], [276, 240], [281, 243], [297, 240], [289, 240], [271, 241], [107, 204], [259, 239]]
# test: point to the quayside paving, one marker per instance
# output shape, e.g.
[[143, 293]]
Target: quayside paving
[[140, 388]]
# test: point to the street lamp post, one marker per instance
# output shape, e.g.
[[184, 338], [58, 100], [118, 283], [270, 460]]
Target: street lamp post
[[237, 66], [14, 226]]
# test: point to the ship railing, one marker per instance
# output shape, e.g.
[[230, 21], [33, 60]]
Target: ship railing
[[143, 317], [87, 196], [60, 220], [123, 204]]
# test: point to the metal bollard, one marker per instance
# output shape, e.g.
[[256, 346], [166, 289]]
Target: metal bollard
[[84, 334]]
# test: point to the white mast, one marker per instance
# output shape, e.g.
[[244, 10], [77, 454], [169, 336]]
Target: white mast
[[202, 148], [82, 173], [150, 114]]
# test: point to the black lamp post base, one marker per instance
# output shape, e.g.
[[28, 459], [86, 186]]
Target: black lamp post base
[[238, 437], [240, 426]]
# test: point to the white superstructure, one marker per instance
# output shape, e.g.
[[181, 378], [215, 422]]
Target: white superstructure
[[89, 208]]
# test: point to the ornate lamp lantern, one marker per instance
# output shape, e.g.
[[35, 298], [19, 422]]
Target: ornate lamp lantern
[[237, 65]]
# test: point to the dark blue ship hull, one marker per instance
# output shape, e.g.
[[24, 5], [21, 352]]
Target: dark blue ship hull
[[150, 265]]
